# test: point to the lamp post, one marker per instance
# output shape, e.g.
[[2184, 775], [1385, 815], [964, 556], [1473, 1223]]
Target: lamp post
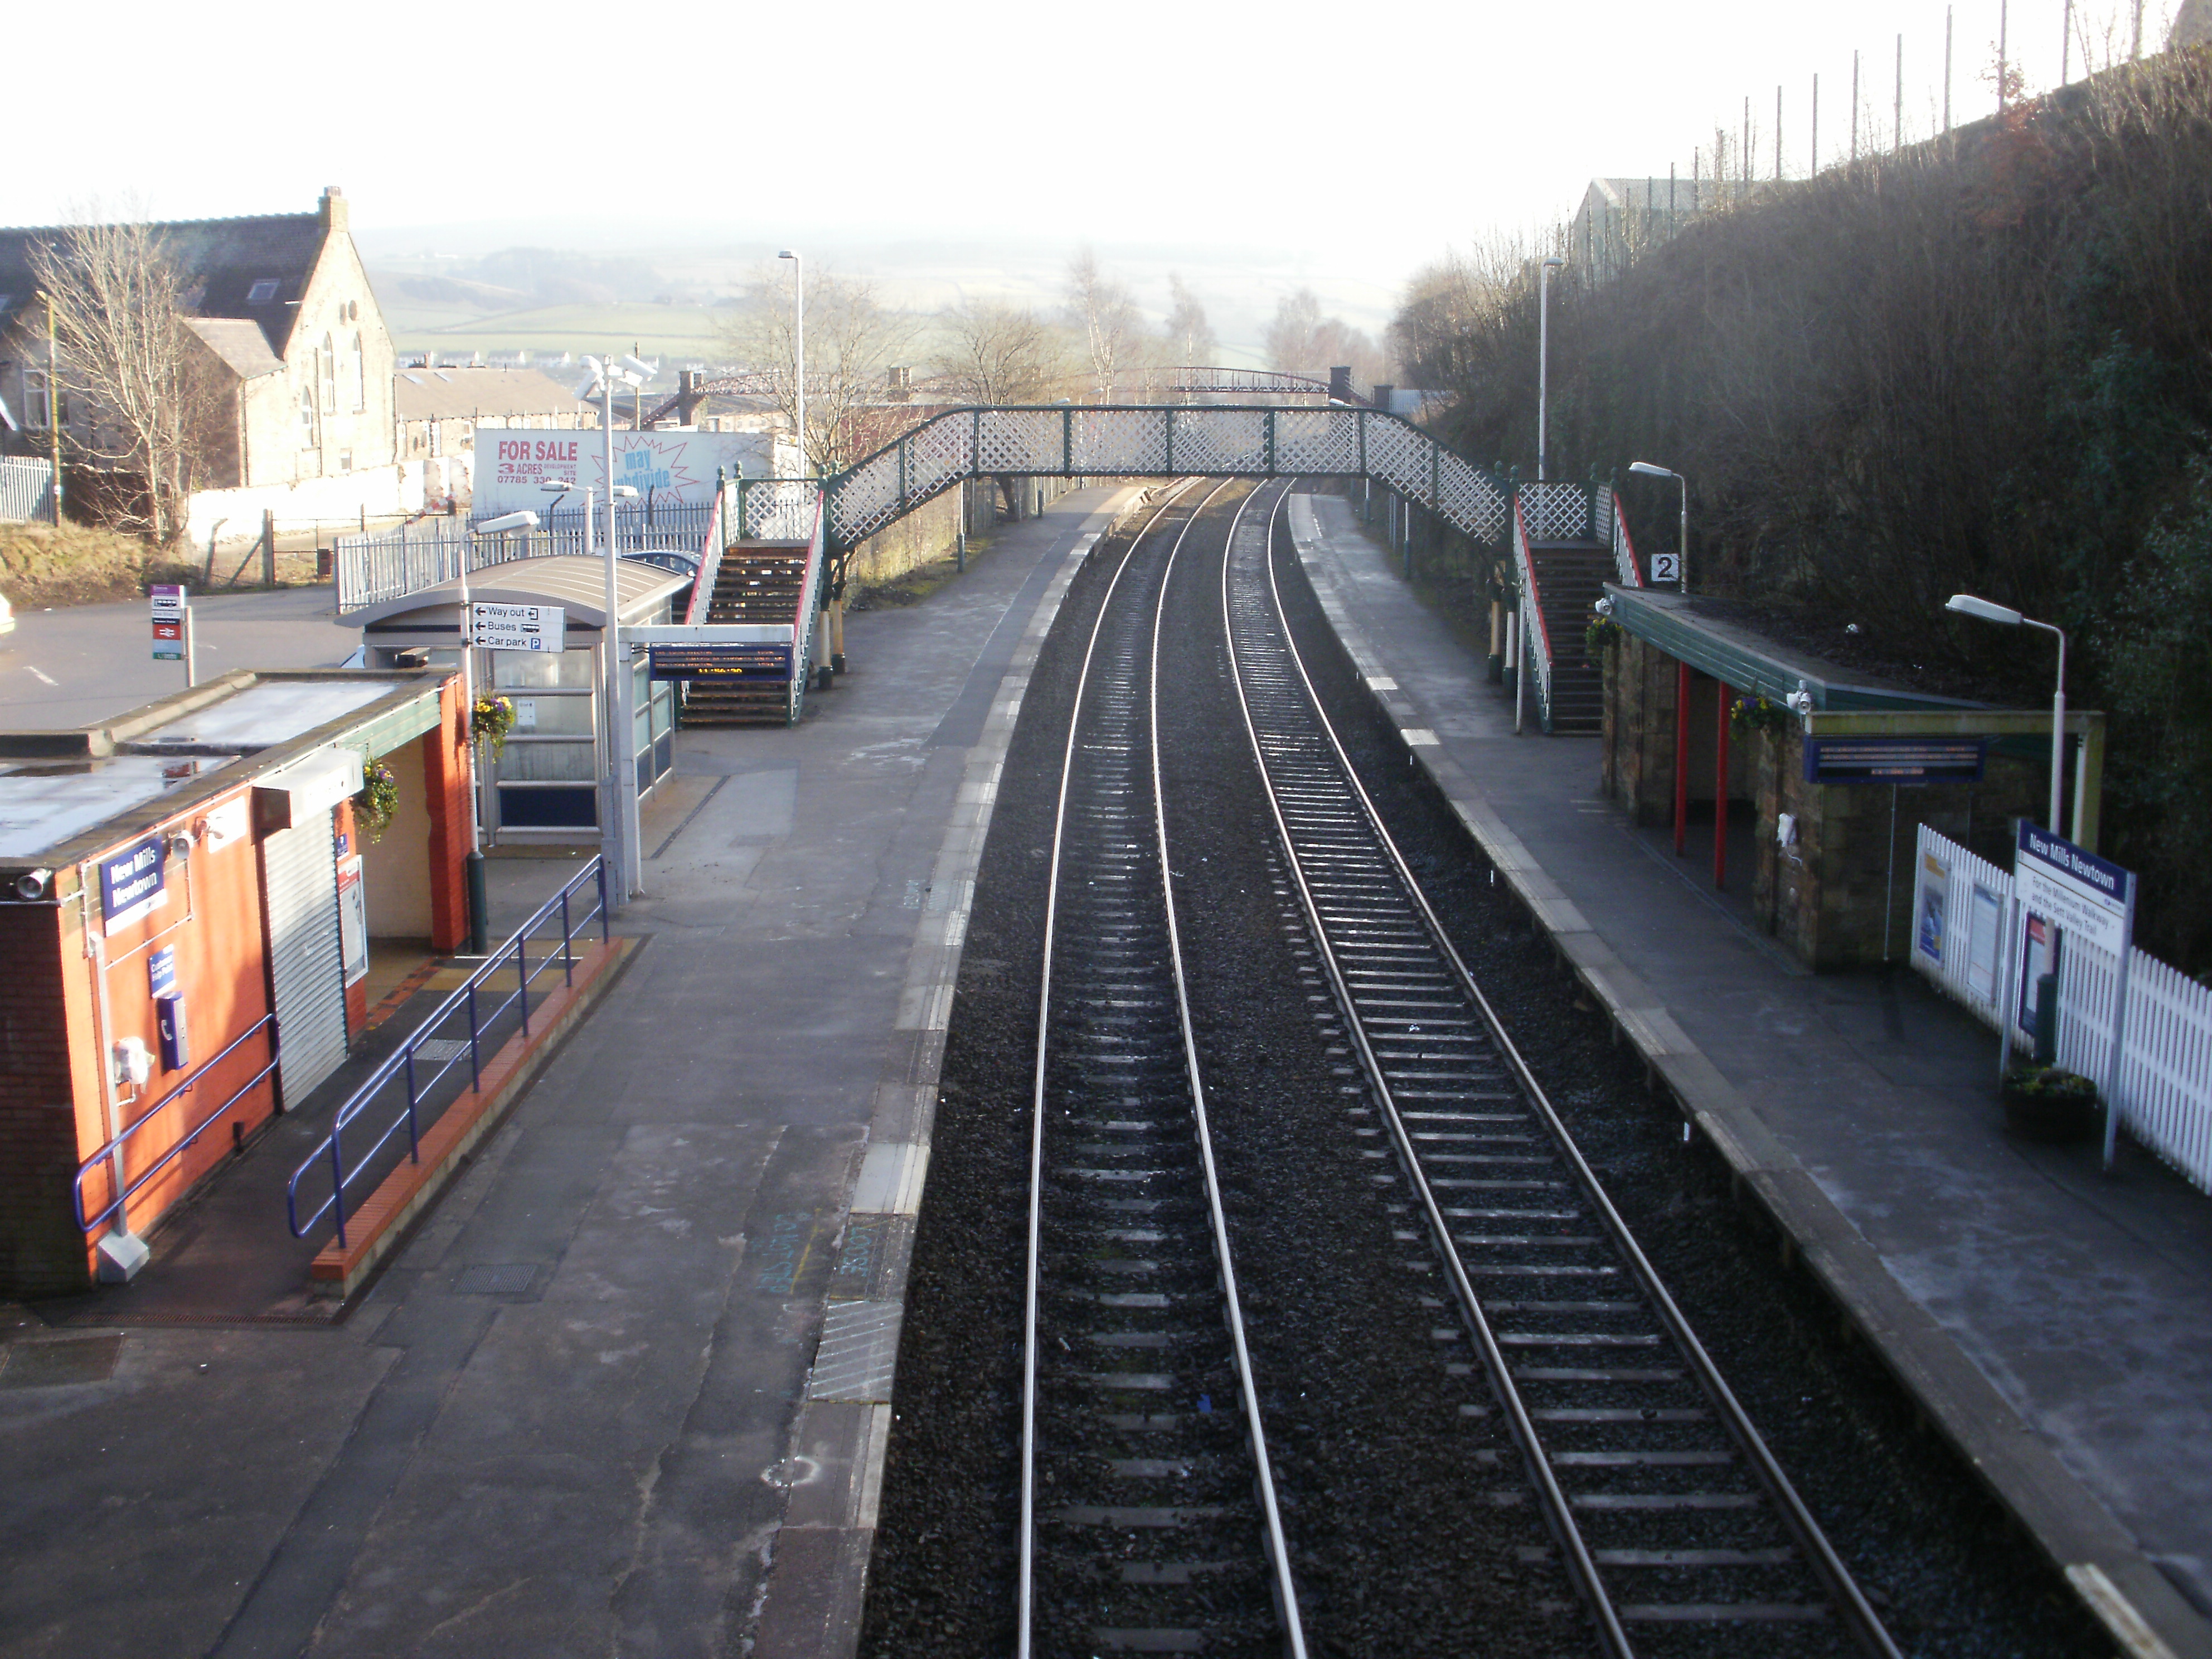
[[798, 347], [479, 902], [1682, 542], [1551, 264], [2005, 617]]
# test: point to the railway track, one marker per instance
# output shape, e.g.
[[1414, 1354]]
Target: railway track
[[1677, 1526], [1148, 1514]]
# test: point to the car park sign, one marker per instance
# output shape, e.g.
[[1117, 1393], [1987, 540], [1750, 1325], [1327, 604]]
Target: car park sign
[[518, 627]]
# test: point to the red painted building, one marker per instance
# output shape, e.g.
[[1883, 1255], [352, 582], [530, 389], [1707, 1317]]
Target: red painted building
[[187, 902]]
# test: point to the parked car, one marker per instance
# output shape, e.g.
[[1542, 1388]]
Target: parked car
[[680, 560]]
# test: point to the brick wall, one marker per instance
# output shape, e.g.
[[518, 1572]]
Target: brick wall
[[41, 1252]]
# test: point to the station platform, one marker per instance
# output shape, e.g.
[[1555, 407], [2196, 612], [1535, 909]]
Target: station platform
[[625, 1388], [2055, 1322]]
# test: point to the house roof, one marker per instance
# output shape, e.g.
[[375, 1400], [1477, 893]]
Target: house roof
[[446, 394], [253, 269], [239, 342]]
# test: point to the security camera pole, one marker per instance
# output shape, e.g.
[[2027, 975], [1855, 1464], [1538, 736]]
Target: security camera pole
[[479, 901]]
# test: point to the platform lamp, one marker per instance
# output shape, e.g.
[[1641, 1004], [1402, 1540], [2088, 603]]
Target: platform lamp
[[1544, 271], [2005, 617], [1682, 542], [798, 347], [479, 901]]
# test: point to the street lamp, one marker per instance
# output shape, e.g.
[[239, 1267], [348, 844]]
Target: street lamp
[[1682, 542], [2005, 617], [799, 346], [479, 902], [1544, 352], [618, 826]]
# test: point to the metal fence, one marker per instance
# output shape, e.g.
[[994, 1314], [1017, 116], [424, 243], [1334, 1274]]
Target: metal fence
[[26, 490], [1965, 939]]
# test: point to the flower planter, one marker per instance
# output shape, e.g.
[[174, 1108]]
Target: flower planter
[[2044, 1103]]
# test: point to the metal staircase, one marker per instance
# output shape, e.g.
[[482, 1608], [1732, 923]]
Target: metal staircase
[[1569, 540], [754, 584]]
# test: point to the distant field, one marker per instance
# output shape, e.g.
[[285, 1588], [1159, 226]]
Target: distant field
[[656, 332]]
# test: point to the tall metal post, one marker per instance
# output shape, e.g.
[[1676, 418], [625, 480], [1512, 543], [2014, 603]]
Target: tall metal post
[[1551, 264], [54, 408]]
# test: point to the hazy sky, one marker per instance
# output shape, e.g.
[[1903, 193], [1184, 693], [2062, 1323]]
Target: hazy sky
[[1362, 138]]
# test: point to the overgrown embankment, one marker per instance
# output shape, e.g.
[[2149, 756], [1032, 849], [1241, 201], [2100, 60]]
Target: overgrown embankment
[[77, 564], [1983, 364]]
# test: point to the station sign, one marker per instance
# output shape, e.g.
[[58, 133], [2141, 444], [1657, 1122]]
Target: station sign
[[710, 663], [518, 627], [168, 609], [132, 881], [2091, 898], [1895, 760]]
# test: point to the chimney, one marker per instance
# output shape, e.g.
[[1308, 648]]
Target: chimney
[[332, 208]]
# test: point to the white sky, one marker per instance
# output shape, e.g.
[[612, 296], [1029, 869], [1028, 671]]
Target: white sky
[[1352, 142]]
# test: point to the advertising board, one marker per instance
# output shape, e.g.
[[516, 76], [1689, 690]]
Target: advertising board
[[512, 465]]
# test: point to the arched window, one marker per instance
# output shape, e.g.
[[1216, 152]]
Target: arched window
[[328, 367], [360, 376], [306, 417]]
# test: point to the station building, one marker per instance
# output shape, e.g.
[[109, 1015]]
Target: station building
[[1811, 813], [188, 895]]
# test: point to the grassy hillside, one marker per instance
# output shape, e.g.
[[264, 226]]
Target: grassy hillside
[[1983, 365]]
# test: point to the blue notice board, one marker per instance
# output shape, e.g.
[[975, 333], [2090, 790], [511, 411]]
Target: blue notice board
[[132, 881], [1895, 760], [162, 971]]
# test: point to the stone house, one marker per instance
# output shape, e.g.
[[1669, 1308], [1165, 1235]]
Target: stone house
[[296, 351]]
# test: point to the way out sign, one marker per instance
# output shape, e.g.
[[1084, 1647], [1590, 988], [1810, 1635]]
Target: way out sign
[[2090, 901], [518, 627]]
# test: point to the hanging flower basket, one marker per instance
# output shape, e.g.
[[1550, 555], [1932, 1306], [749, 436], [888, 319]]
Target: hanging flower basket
[[1601, 634], [492, 719], [1760, 714], [378, 800]]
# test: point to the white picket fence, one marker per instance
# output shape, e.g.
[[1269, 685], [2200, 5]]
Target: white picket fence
[[1965, 939]]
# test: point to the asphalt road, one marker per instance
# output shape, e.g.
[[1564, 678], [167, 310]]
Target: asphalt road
[[81, 664]]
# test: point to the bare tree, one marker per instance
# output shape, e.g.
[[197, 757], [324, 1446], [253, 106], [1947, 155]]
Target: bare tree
[[1102, 312], [994, 353], [1190, 337], [852, 337], [1300, 340], [134, 364]]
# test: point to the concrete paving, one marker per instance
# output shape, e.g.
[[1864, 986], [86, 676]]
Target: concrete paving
[[625, 1390], [2056, 1321], [78, 663]]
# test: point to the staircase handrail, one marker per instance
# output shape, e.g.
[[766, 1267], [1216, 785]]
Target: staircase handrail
[[710, 564], [1624, 550], [1537, 635], [810, 589]]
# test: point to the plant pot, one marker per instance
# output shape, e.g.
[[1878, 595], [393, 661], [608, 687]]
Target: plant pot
[[2055, 1115]]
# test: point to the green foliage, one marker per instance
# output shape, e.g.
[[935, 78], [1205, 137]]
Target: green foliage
[[2053, 1084], [1602, 632], [378, 800], [1760, 714], [1981, 364], [492, 719]]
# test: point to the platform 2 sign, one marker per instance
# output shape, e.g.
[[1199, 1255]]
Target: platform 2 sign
[[709, 665], [1895, 760]]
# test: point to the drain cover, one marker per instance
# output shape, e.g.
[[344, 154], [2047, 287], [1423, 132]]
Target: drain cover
[[51, 1365], [495, 1278], [437, 1051]]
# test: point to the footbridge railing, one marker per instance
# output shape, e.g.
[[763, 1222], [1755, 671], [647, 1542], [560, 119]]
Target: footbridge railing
[[1165, 442]]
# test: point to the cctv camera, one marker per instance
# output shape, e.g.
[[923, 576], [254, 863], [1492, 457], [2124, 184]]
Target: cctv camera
[[34, 884]]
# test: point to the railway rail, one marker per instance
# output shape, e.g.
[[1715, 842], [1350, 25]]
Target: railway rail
[[1148, 1514], [1676, 1522]]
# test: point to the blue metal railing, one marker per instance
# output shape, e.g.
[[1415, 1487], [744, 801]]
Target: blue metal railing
[[101, 1159], [400, 1065]]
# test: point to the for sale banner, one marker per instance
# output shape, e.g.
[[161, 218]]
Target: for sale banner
[[513, 465]]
